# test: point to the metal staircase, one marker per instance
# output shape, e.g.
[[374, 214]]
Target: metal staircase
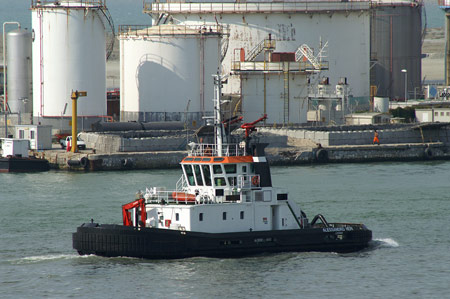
[[109, 19], [305, 51], [224, 43], [266, 44], [286, 93]]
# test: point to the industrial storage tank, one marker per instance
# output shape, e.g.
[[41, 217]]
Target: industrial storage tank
[[396, 45], [345, 25], [381, 104], [18, 60], [166, 71], [69, 53]]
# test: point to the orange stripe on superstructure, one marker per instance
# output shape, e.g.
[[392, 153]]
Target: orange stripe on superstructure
[[226, 160]]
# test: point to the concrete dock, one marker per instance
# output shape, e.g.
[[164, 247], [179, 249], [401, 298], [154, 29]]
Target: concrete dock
[[87, 160]]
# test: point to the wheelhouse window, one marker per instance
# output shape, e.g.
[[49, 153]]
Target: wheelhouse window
[[241, 215], [230, 168], [217, 169], [207, 174], [200, 217], [31, 134], [189, 175], [198, 175], [244, 169], [220, 181], [224, 215]]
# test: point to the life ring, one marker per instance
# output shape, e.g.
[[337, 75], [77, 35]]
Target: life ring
[[255, 180], [322, 155]]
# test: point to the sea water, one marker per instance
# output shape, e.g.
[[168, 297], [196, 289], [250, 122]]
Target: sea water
[[406, 205]]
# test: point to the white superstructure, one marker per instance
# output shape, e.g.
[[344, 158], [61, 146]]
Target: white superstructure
[[69, 53], [165, 69]]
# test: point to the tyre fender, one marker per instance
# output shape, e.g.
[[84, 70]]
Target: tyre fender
[[84, 162], [322, 155], [428, 153]]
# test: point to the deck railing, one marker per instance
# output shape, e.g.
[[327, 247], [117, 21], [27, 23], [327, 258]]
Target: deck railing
[[205, 149], [249, 181]]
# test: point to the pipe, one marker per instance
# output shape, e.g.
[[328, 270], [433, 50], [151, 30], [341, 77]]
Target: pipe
[[5, 95]]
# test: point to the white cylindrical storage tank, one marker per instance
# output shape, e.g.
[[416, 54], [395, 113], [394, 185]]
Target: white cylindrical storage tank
[[381, 104], [18, 60], [69, 53], [163, 68]]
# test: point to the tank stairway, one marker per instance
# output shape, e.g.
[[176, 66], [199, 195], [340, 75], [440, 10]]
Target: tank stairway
[[305, 51], [224, 43], [286, 93], [109, 19], [266, 44]]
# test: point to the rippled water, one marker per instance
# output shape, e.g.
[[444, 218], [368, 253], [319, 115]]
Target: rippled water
[[407, 205]]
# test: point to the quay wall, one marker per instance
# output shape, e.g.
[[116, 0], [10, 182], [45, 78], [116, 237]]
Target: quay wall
[[89, 161], [362, 137], [113, 143], [367, 153], [286, 147], [114, 161]]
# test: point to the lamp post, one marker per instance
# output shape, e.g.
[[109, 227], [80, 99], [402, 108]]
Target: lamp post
[[406, 83]]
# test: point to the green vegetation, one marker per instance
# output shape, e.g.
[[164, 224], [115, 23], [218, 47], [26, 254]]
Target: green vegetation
[[408, 113]]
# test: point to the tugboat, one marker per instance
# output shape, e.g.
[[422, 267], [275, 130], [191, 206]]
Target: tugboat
[[224, 205]]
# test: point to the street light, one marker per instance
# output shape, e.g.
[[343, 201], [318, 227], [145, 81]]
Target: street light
[[406, 83]]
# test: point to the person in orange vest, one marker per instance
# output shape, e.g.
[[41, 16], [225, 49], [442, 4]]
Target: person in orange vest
[[375, 138]]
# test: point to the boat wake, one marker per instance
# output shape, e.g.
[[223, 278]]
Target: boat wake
[[383, 243], [46, 258]]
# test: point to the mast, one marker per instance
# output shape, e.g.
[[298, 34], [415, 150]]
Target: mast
[[218, 114]]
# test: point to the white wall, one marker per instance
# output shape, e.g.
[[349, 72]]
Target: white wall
[[69, 53], [160, 74], [347, 34], [253, 98]]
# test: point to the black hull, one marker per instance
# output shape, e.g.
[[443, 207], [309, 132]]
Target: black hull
[[18, 164], [118, 240]]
